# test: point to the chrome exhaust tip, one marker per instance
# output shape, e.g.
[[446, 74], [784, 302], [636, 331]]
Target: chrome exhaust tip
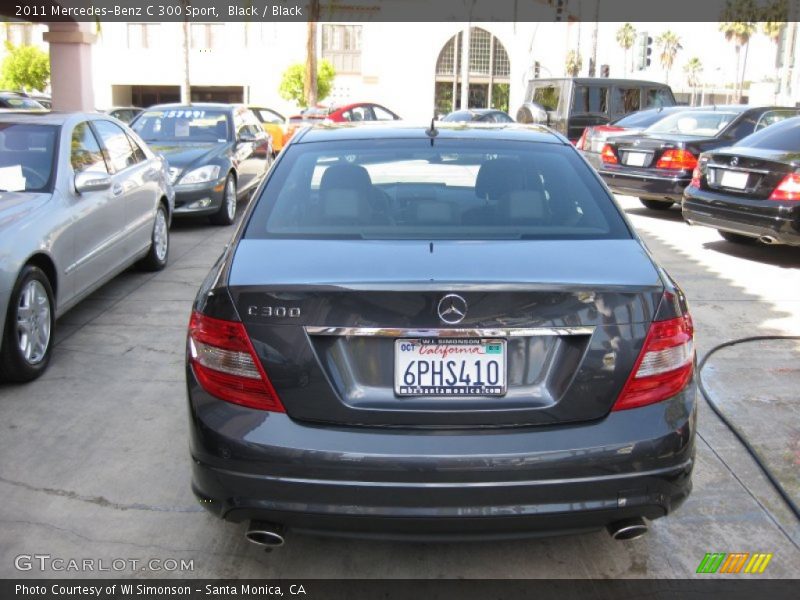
[[627, 529], [767, 239], [265, 534]]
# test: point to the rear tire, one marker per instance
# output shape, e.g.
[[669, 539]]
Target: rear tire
[[736, 238], [227, 211], [656, 204], [27, 338], [157, 256]]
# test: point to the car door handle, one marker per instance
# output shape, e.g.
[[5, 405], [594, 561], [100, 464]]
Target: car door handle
[[117, 189]]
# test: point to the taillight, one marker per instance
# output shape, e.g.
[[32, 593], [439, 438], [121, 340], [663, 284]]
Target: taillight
[[225, 364], [697, 174], [788, 188], [608, 156], [581, 145], [677, 159], [664, 366]]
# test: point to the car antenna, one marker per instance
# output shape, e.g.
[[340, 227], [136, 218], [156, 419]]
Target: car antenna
[[432, 132]]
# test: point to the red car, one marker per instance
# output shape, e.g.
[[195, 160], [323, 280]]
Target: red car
[[349, 113]]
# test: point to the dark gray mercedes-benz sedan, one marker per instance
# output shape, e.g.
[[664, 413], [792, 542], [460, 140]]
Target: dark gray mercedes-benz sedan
[[439, 333]]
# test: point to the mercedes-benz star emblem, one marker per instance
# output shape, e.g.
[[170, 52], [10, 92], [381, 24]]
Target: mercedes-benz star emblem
[[734, 161], [452, 309]]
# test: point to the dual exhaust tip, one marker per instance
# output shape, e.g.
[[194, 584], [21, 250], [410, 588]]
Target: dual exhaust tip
[[265, 534], [271, 535]]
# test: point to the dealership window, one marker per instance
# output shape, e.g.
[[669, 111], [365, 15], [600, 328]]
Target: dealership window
[[341, 45], [206, 36], [143, 35], [19, 34]]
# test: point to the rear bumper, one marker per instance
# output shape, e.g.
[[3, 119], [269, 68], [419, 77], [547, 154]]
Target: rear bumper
[[645, 185], [755, 218], [420, 484]]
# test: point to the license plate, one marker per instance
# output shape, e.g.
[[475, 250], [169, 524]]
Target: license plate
[[450, 367], [635, 159], [734, 179]]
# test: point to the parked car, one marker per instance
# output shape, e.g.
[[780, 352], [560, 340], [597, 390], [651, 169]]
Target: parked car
[[273, 123], [656, 165], [480, 115], [14, 102], [217, 153], [126, 114], [441, 390], [594, 138], [570, 105], [750, 191], [356, 112], [81, 199]]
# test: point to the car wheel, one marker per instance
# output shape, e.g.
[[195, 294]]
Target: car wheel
[[27, 339], [227, 211], [736, 238], [156, 258], [656, 204]]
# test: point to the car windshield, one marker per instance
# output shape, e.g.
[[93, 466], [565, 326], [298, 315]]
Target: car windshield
[[451, 189], [26, 157], [182, 124], [784, 136], [696, 123], [19, 103]]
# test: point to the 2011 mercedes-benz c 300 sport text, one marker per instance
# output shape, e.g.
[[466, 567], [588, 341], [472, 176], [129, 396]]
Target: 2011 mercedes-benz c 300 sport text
[[439, 333]]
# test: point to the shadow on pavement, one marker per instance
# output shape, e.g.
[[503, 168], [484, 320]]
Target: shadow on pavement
[[787, 257]]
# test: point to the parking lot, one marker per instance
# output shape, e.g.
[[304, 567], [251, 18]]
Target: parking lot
[[97, 464]]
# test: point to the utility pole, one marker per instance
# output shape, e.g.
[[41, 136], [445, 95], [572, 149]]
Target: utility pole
[[790, 42], [186, 87], [310, 80]]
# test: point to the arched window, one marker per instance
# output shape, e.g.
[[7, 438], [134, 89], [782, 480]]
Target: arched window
[[489, 72]]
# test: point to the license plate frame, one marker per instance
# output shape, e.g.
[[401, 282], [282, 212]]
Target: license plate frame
[[735, 180], [444, 350]]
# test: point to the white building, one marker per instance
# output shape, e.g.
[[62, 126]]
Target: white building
[[415, 69]]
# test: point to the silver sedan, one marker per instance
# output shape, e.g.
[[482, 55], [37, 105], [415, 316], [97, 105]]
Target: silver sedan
[[82, 198]]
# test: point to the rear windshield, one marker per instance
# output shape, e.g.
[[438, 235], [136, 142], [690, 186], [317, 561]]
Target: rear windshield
[[784, 135], [698, 123], [182, 124], [19, 103], [448, 189], [643, 118], [26, 157]]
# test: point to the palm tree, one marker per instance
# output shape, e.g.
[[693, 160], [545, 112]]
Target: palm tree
[[693, 68], [626, 36], [573, 63], [669, 43], [738, 23]]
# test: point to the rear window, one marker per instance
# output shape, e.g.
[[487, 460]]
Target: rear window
[[26, 157], [697, 123], [643, 118], [547, 96], [784, 135], [451, 189]]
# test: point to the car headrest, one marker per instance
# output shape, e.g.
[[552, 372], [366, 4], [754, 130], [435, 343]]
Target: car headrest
[[496, 178], [345, 177]]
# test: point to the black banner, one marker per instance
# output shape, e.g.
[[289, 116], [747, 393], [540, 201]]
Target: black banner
[[398, 10], [322, 589]]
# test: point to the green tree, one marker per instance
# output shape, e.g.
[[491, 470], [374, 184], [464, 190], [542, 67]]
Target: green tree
[[292, 83], [25, 68], [573, 63], [626, 36], [739, 22], [693, 68], [670, 43]]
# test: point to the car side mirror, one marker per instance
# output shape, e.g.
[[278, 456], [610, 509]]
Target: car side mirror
[[91, 181], [530, 112]]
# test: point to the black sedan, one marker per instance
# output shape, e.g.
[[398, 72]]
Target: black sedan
[[752, 190], [217, 153], [365, 360], [656, 165], [479, 115]]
